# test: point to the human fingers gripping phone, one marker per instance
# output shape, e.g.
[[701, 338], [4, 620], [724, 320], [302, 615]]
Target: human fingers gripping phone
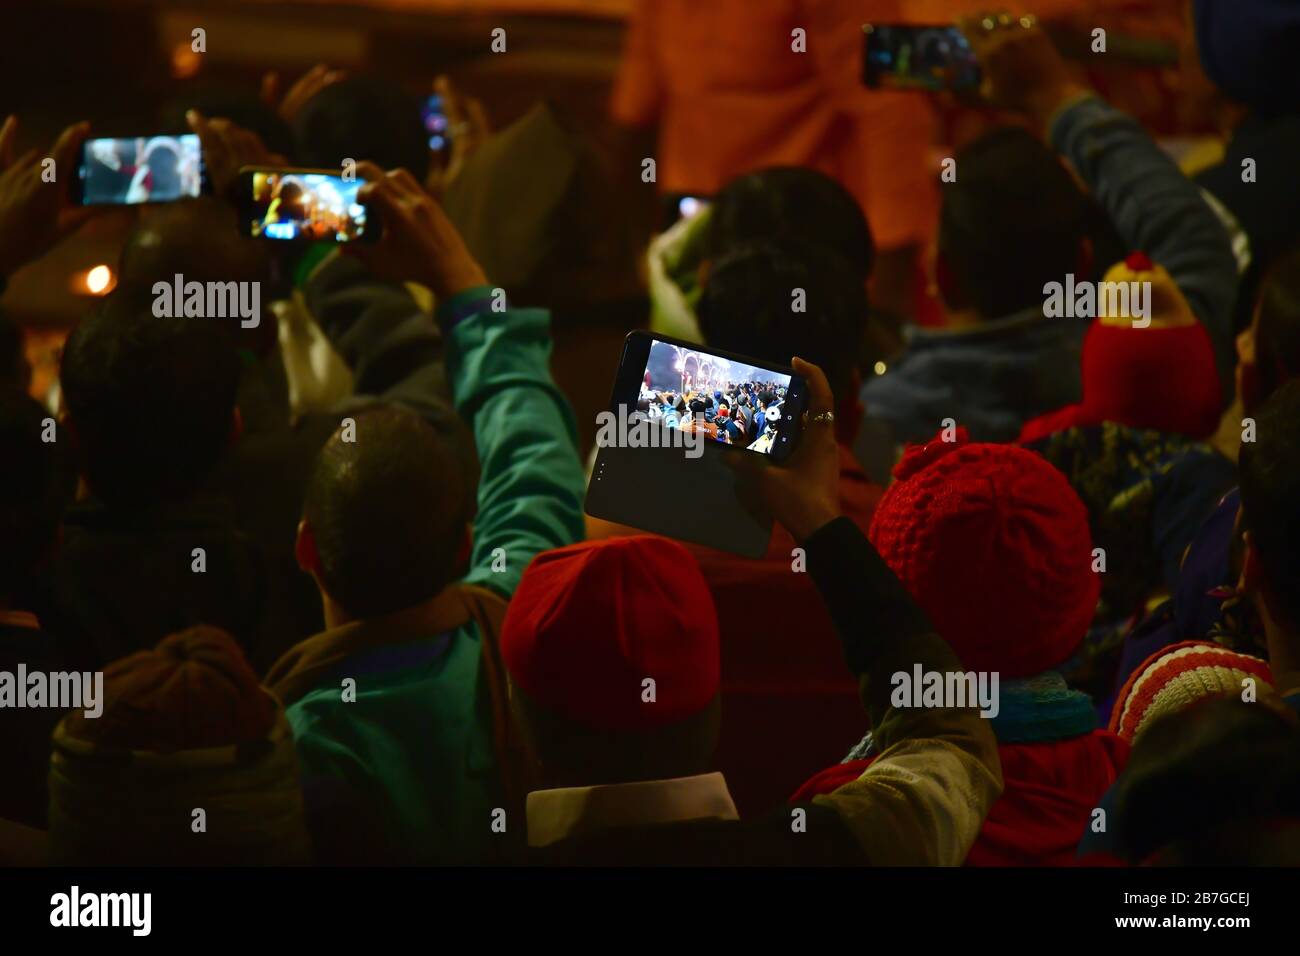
[[309, 205], [899, 56], [133, 170], [682, 417]]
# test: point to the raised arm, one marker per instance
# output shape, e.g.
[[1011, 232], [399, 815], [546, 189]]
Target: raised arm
[[1153, 206], [531, 482], [922, 802]]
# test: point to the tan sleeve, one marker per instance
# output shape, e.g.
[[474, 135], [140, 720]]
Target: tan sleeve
[[923, 801]]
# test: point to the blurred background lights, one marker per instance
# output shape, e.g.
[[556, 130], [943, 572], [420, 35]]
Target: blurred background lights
[[98, 280]]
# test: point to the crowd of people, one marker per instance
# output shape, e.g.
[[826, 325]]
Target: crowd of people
[[335, 573], [730, 413]]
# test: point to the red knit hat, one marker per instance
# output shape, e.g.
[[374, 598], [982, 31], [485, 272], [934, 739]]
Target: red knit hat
[[1177, 676], [994, 545], [1160, 375], [589, 623]]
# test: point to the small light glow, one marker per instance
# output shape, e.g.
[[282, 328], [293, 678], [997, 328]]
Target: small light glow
[[185, 60], [880, 368], [98, 280]]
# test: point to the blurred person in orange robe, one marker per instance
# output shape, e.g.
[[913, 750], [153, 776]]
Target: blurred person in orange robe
[[734, 86]]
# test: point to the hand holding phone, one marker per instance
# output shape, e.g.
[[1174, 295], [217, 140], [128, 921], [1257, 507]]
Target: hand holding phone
[[135, 170], [35, 213], [457, 125], [227, 149], [288, 204], [803, 494], [901, 56], [419, 242], [1023, 70]]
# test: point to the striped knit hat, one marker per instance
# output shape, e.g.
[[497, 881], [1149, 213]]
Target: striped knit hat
[[1175, 677]]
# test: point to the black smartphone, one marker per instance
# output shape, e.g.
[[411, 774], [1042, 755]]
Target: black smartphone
[[435, 122], [898, 56], [134, 170], [308, 205], [678, 413], [727, 399]]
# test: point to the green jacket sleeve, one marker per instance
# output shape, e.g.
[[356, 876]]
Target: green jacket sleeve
[[531, 482]]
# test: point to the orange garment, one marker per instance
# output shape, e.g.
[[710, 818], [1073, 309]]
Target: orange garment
[[730, 95]]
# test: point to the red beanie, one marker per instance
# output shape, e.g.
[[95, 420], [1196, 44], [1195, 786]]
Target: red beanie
[[589, 623], [994, 545], [1160, 375]]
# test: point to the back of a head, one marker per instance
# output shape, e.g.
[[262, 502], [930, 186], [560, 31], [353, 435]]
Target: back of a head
[[362, 118], [787, 297], [389, 511], [36, 483], [1012, 221], [151, 400], [994, 545], [790, 201], [1217, 763], [612, 650], [1247, 48], [183, 725], [1269, 470], [198, 239], [1277, 330]]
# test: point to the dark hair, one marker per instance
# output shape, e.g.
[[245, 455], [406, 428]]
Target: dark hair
[[151, 399], [1277, 336], [791, 201], [1269, 470], [362, 118], [199, 239], [747, 307], [1218, 762], [388, 511], [1011, 222], [36, 484]]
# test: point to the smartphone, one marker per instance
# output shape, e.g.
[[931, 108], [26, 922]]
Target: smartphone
[[899, 56], [134, 170], [436, 123], [729, 399], [681, 409], [308, 205]]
